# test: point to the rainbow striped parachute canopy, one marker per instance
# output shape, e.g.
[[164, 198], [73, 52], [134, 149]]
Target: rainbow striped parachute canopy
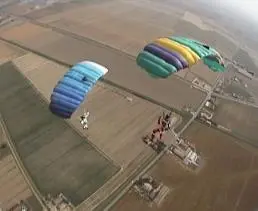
[[166, 56]]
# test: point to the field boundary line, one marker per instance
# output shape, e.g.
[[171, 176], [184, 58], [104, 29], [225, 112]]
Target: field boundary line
[[67, 121], [106, 81], [20, 165], [123, 180], [79, 206]]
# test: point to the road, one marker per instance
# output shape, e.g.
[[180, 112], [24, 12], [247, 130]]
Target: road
[[151, 163], [154, 161]]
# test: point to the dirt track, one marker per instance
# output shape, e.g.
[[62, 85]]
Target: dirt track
[[226, 183]]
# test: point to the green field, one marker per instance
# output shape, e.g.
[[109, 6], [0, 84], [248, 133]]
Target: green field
[[57, 158]]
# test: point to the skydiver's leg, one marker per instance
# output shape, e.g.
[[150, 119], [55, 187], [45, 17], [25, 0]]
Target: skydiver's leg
[[154, 133], [161, 134], [152, 136], [159, 120], [158, 130], [86, 126]]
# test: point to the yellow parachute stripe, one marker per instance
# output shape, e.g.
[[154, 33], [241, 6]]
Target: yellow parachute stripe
[[195, 55], [186, 52]]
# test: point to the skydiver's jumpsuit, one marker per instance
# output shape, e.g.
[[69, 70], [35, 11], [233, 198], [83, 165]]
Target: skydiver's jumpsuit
[[84, 120], [159, 130], [164, 125]]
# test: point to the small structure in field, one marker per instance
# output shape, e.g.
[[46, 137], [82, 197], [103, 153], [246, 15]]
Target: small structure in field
[[58, 203], [206, 114], [151, 190], [21, 206], [200, 84]]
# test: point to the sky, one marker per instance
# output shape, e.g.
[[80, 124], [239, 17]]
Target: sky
[[249, 8]]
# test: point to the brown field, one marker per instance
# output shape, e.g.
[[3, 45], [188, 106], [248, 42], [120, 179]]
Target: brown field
[[227, 182], [117, 27], [30, 35], [99, 20], [56, 156], [123, 69], [9, 52], [117, 124], [199, 71], [252, 85], [241, 119]]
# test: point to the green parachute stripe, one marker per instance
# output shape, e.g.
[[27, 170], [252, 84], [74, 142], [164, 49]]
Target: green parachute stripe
[[209, 56], [213, 65], [154, 65], [193, 46], [200, 45]]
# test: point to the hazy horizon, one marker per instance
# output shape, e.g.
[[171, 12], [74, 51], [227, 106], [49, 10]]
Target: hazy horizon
[[247, 8]]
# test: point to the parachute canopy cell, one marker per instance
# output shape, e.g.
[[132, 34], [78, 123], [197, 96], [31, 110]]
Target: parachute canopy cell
[[168, 55], [71, 90]]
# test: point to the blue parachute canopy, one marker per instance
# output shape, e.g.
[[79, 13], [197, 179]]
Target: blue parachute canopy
[[71, 90]]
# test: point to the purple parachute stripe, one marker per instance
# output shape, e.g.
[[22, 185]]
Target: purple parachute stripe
[[166, 56], [175, 54]]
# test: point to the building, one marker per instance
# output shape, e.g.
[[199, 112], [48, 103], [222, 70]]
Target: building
[[191, 158], [206, 114], [184, 150], [199, 84], [210, 105], [245, 73]]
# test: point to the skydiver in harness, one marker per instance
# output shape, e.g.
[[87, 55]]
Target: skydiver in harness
[[85, 116], [84, 119], [164, 123], [158, 130]]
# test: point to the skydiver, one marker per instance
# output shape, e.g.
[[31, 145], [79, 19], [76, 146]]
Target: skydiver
[[166, 123], [159, 130], [84, 119], [161, 118]]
